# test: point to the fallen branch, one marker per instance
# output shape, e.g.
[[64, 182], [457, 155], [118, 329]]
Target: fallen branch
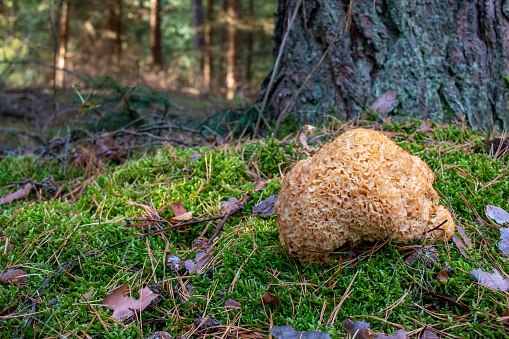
[[232, 212]]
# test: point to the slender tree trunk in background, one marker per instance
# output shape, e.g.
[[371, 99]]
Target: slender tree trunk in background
[[2, 8], [155, 33], [116, 26], [208, 63], [435, 59], [222, 44], [63, 37], [232, 74], [197, 10], [249, 42]]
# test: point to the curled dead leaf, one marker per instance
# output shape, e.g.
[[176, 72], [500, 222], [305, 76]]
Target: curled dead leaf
[[493, 280], [22, 192], [498, 214], [271, 299], [442, 275], [232, 303], [123, 307], [17, 277]]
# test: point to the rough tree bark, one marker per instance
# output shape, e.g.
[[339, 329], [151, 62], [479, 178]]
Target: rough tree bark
[[233, 57], [208, 63], [444, 60], [197, 11], [63, 37], [155, 33], [115, 25]]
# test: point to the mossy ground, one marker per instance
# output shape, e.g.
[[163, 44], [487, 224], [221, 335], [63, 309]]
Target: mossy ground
[[385, 291]]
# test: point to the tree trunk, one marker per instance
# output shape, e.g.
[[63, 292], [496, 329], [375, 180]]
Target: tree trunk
[[197, 10], [250, 42], [232, 73], [63, 37], [208, 64], [155, 33], [441, 60], [223, 46], [115, 25]]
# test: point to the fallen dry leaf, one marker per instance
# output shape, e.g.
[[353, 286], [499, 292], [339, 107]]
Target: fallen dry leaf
[[180, 212], [498, 214], [442, 275], [202, 324], [22, 192], [260, 185], [17, 277], [360, 327], [87, 296], [288, 332], [123, 306], [429, 335], [271, 299], [266, 207], [195, 157], [459, 243], [447, 299], [201, 259], [466, 240], [493, 280], [230, 205], [232, 303], [503, 245], [178, 208]]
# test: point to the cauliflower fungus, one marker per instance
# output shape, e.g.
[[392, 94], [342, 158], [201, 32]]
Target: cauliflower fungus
[[359, 187]]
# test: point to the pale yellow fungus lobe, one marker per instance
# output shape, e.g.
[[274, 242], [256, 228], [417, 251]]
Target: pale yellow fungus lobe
[[360, 187]]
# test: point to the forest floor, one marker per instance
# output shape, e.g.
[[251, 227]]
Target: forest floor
[[171, 238]]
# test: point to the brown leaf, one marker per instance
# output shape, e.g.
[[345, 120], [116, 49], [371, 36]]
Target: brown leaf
[[270, 299], [22, 192], [232, 303], [442, 275], [464, 237], [261, 185], [87, 296], [412, 257], [360, 327], [448, 299], [123, 306], [195, 157], [459, 243], [178, 208], [230, 205], [493, 280], [498, 214], [505, 317], [266, 207], [429, 335], [17, 277], [185, 216], [400, 334]]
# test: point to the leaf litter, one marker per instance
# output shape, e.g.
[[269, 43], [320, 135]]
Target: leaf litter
[[123, 306], [498, 214], [266, 207], [493, 280], [21, 193]]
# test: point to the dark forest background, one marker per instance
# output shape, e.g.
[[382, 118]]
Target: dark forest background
[[216, 47]]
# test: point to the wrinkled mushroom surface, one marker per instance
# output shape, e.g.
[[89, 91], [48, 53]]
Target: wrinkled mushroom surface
[[359, 187]]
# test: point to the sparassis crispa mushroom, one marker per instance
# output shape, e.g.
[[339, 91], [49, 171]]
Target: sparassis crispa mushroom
[[360, 187]]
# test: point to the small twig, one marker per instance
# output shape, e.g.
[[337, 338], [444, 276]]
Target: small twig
[[436, 228], [174, 226], [221, 224]]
